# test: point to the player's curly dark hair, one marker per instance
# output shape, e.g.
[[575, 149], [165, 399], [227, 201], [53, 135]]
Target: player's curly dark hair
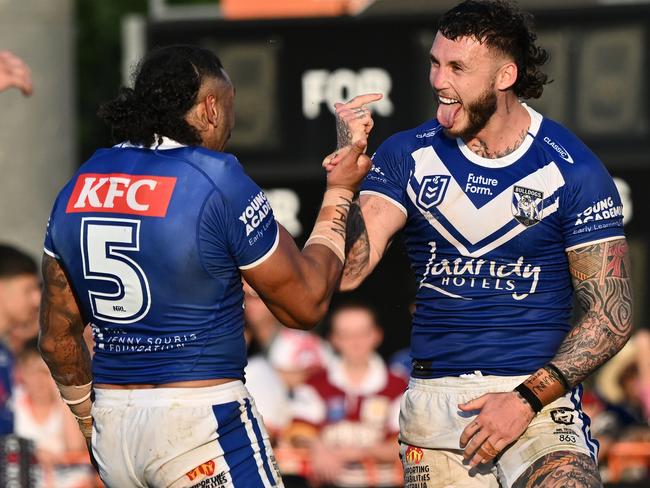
[[502, 26], [166, 85]]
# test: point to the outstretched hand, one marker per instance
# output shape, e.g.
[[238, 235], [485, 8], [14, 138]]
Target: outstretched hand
[[14, 73], [502, 419], [351, 168], [353, 119]]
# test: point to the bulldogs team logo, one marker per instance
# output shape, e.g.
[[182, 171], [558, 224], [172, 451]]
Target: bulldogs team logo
[[413, 455], [563, 415], [432, 190], [527, 205]]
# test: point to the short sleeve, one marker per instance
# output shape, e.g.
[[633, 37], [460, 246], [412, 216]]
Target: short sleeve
[[238, 223], [388, 176], [591, 208], [49, 247]]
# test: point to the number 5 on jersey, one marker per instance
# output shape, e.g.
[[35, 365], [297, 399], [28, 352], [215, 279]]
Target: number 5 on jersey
[[128, 298]]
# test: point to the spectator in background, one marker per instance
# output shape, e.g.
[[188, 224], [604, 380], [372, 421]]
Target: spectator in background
[[348, 415], [14, 73], [295, 354], [42, 418], [20, 295]]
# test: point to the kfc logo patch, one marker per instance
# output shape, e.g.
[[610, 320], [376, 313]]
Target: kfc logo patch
[[122, 193]]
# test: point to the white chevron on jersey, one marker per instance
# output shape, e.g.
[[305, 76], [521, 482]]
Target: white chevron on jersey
[[476, 224]]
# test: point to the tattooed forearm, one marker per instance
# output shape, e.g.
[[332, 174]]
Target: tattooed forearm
[[343, 133], [601, 277], [61, 338], [339, 221], [560, 469], [357, 244]]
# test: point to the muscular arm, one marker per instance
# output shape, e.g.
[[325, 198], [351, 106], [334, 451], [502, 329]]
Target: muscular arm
[[61, 338], [297, 286], [601, 280], [372, 223]]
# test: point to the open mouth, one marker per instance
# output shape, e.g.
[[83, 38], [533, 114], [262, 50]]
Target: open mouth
[[448, 109], [447, 101]]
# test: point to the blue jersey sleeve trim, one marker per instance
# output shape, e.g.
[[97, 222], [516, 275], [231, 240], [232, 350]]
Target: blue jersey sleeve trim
[[386, 197], [51, 253], [268, 253], [597, 241]]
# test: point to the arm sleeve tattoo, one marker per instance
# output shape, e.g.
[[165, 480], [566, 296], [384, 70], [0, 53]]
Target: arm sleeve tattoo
[[357, 244], [601, 281], [61, 338]]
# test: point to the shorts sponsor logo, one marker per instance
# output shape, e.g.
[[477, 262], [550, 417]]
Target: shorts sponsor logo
[[122, 193], [432, 190], [215, 482], [413, 455], [205, 469], [527, 205], [563, 415]]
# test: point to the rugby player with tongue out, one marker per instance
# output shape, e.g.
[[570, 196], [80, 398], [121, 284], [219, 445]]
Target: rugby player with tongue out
[[486, 190]]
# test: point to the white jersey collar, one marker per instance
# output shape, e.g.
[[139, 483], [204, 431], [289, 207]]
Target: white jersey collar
[[165, 143], [535, 122]]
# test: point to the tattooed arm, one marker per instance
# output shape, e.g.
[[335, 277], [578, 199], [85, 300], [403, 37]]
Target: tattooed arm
[[372, 223], [61, 338], [297, 286], [62, 344], [601, 280]]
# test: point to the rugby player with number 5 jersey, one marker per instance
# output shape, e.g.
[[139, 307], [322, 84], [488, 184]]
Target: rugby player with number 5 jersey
[[147, 244]]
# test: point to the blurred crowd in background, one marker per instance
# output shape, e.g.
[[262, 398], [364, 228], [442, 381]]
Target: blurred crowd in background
[[329, 400]]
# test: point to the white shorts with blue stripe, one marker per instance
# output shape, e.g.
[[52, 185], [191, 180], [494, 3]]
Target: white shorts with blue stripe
[[431, 421], [182, 437]]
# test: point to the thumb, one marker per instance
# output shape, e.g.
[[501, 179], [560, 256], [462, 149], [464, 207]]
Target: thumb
[[475, 404], [359, 146], [337, 105]]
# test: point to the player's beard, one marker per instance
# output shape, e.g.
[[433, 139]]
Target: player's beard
[[478, 113]]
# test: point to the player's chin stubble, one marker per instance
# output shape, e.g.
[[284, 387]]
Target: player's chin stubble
[[478, 115]]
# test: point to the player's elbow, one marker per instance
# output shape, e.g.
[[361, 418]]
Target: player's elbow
[[46, 346]]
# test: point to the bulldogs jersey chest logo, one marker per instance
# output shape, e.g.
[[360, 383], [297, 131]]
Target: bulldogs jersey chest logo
[[527, 205], [432, 191]]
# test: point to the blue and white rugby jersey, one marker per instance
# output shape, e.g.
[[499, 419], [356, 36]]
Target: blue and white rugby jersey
[[487, 239], [153, 242]]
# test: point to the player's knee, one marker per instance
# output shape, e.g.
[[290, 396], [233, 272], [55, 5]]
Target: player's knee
[[554, 469]]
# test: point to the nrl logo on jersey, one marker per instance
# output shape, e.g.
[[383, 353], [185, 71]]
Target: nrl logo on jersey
[[527, 205], [432, 190]]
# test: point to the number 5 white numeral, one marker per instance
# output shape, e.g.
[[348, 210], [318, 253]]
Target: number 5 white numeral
[[102, 239]]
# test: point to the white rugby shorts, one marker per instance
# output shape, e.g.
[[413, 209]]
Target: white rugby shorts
[[182, 437], [431, 425]]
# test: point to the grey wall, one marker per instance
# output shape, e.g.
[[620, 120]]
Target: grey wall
[[37, 146]]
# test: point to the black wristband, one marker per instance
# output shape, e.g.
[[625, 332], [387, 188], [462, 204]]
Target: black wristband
[[555, 371], [528, 395]]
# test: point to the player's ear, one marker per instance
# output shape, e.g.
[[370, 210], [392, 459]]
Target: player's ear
[[211, 110], [198, 116], [506, 76]]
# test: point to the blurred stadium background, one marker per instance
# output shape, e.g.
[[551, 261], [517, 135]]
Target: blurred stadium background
[[290, 60]]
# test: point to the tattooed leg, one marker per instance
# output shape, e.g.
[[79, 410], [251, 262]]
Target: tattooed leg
[[561, 469]]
